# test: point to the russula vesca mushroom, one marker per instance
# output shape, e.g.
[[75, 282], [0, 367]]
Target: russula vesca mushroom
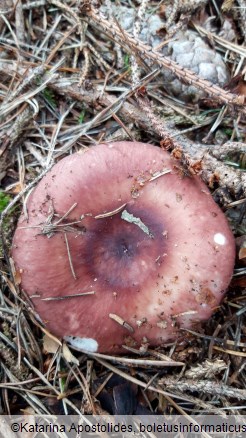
[[119, 248]]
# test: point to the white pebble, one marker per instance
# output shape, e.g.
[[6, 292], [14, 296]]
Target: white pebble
[[86, 344]]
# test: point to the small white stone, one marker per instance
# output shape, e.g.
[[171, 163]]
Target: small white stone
[[220, 239], [86, 344]]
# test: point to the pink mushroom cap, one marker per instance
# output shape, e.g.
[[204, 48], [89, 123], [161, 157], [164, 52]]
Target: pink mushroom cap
[[118, 221]]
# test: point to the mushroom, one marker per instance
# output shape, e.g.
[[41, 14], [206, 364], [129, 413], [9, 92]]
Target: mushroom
[[120, 249]]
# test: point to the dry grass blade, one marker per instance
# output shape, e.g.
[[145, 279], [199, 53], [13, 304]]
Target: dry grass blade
[[69, 257], [8, 107], [136, 362], [231, 352], [227, 45]]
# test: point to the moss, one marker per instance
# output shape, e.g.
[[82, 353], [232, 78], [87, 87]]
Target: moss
[[49, 95], [7, 222], [4, 200], [81, 117]]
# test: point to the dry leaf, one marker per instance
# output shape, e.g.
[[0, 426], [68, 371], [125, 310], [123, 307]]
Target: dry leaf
[[68, 355], [242, 253], [50, 344], [16, 274]]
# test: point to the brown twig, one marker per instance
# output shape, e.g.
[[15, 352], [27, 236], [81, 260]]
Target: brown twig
[[204, 386]]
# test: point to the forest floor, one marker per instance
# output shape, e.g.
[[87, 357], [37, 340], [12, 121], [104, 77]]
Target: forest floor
[[70, 79]]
